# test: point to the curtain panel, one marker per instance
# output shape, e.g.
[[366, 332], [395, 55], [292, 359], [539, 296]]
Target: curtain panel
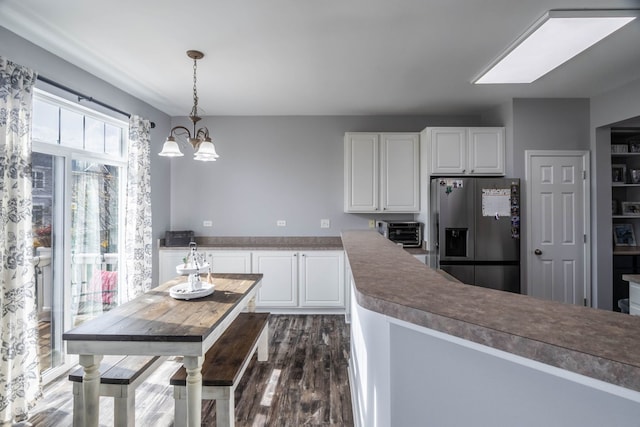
[[138, 237], [20, 383]]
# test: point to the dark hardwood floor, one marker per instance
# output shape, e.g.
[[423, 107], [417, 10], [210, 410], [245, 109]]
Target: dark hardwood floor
[[304, 383]]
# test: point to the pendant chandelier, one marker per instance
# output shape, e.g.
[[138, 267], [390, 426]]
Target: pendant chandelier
[[204, 150]]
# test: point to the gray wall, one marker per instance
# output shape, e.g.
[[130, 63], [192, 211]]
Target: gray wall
[[277, 168], [607, 110], [25, 53], [539, 124]]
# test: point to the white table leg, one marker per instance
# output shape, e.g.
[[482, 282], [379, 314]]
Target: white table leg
[[193, 365], [91, 388], [251, 305]]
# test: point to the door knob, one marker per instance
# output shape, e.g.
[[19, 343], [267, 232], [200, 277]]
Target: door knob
[[537, 252]]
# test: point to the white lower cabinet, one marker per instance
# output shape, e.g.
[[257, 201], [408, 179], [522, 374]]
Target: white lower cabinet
[[279, 284], [309, 279], [296, 280], [322, 279], [221, 261], [229, 261], [168, 259]]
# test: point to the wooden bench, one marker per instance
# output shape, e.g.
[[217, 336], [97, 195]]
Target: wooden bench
[[119, 377], [223, 366]]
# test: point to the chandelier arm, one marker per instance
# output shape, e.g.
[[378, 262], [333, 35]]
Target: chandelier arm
[[176, 128], [202, 133]]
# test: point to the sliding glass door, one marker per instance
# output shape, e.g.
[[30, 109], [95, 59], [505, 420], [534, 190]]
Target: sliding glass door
[[78, 165]]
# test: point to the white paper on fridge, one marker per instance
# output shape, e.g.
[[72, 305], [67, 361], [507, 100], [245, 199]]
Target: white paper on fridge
[[496, 202]]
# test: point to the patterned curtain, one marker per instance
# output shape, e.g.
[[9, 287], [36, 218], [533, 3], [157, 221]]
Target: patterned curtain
[[138, 239], [20, 383]]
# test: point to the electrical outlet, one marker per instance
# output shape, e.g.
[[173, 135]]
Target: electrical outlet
[[372, 223], [208, 223], [281, 223], [325, 223]]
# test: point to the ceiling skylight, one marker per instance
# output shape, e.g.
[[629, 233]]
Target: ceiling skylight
[[555, 38]]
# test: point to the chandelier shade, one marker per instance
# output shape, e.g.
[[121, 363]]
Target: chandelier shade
[[171, 148], [199, 139]]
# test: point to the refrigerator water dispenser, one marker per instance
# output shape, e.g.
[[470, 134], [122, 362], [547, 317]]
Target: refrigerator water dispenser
[[455, 242]]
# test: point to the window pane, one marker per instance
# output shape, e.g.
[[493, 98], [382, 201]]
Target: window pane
[[113, 139], [71, 125], [45, 122], [94, 135], [94, 238], [47, 256]]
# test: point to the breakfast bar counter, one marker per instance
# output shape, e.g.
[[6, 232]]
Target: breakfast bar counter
[[567, 356]]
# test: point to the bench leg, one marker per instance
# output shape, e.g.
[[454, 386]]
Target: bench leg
[[225, 410], [78, 405], [263, 345], [124, 410], [180, 408]]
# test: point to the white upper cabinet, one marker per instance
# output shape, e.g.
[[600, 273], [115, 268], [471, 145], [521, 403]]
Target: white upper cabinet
[[399, 172], [467, 151], [486, 151], [382, 172], [361, 172]]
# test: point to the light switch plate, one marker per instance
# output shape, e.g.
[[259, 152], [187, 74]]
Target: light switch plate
[[325, 223]]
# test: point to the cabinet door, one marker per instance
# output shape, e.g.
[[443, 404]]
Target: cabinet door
[[279, 283], [229, 261], [399, 174], [448, 151], [168, 259], [486, 151], [322, 279], [361, 172]]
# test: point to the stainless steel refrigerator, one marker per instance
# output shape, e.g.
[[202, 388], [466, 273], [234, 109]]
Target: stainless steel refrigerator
[[476, 230]]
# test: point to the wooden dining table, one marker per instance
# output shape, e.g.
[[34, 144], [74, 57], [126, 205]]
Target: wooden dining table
[[156, 324]]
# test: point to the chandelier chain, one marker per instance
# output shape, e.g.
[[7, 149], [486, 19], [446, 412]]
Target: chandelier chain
[[194, 111]]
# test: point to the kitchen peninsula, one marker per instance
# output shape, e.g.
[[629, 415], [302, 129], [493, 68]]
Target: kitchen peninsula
[[427, 350]]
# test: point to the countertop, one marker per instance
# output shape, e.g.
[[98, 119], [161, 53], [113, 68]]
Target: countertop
[[596, 343], [635, 278], [264, 242]]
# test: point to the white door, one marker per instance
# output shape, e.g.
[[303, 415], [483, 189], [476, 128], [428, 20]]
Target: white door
[[558, 210]]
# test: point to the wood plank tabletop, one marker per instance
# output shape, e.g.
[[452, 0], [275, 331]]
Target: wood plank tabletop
[[156, 316]]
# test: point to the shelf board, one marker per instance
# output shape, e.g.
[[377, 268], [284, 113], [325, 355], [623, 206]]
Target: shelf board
[[623, 184], [624, 154], [624, 216], [626, 250]]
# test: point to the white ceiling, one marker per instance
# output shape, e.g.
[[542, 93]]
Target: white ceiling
[[315, 57]]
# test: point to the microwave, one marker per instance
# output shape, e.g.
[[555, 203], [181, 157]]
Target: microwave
[[406, 233]]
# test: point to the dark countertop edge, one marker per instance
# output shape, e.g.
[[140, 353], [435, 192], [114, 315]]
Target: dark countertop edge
[[262, 243], [590, 364]]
